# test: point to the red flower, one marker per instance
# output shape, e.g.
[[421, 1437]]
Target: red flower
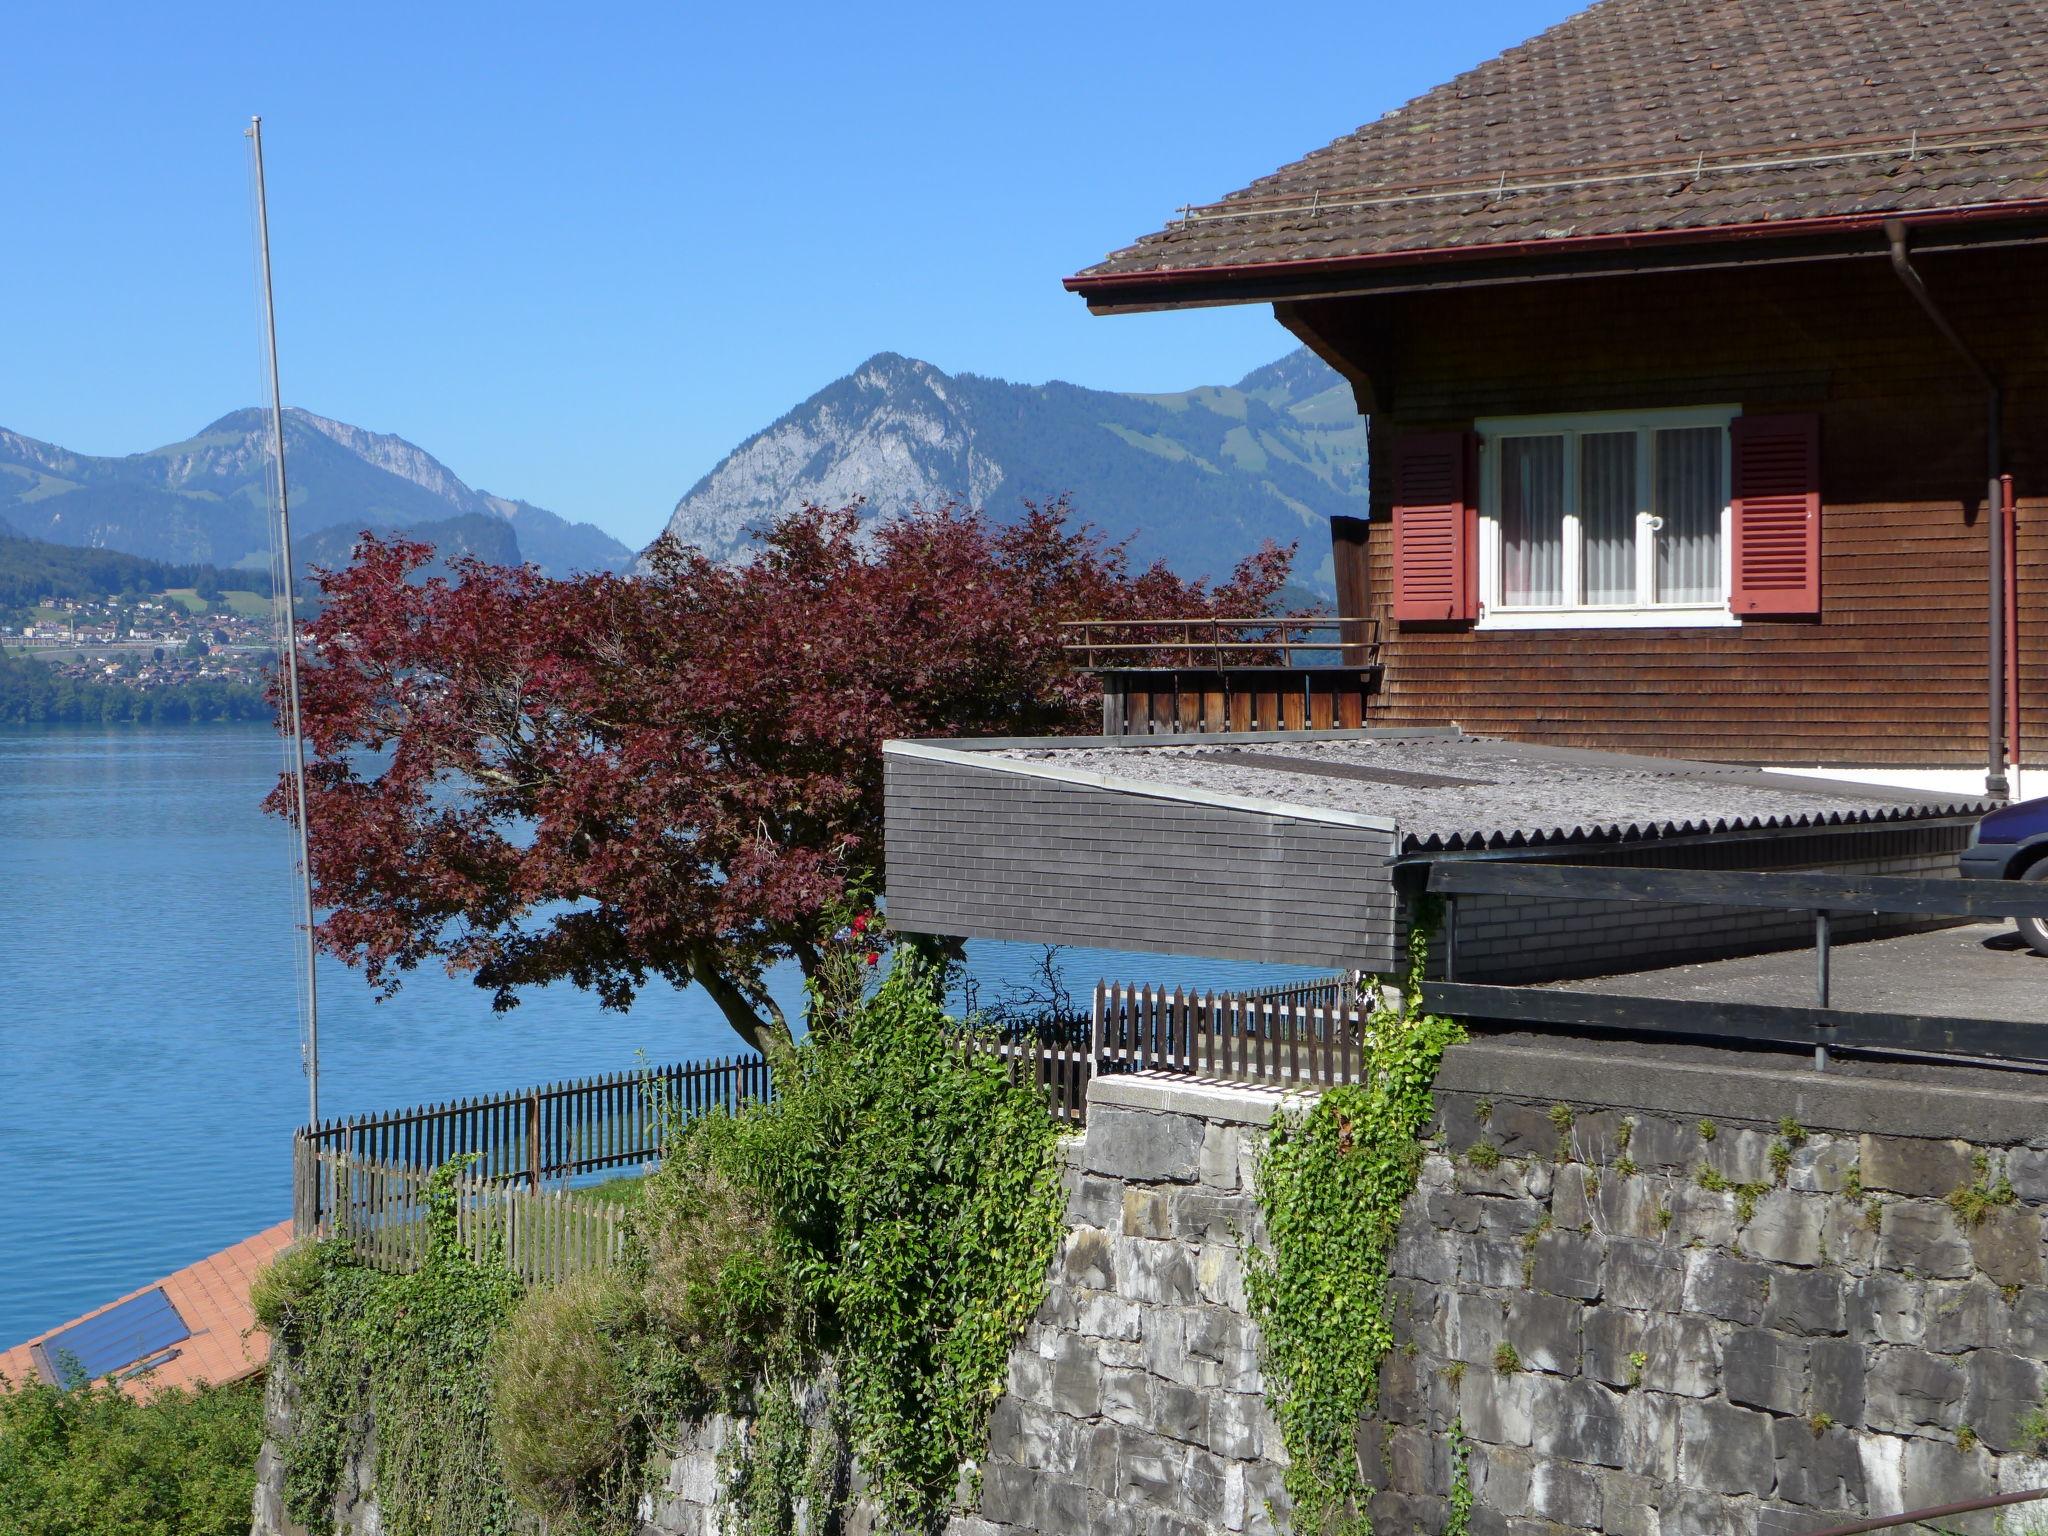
[[873, 958], [860, 922]]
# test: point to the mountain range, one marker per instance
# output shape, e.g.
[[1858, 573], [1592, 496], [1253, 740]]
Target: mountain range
[[1198, 478], [205, 500]]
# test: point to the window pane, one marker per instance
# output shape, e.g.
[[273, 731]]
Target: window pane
[[1531, 521], [1607, 516], [1689, 500]]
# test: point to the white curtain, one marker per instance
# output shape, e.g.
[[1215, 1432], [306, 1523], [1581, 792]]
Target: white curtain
[[1689, 499], [1531, 521], [1607, 516]]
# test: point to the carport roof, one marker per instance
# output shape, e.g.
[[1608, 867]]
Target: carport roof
[[1443, 791]]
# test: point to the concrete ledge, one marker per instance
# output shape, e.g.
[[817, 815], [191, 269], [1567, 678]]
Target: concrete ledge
[[1204, 1097], [1926, 1100]]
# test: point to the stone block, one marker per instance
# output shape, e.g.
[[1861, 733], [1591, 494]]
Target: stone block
[[1724, 1449], [2024, 1322], [1910, 1165], [1567, 1264], [1075, 1385], [1835, 1372], [1643, 1275], [1219, 1275], [1923, 1237], [1569, 1207], [1234, 1425], [1093, 1201], [1691, 1512], [2001, 1392], [1908, 1391], [1149, 1470], [1937, 1472], [1006, 1494], [1649, 1434], [1501, 1478], [1630, 1206], [1818, 1471], [1577, 1420], [1142, 1146], [1098, 1450], [1570, 1495], [1420, 1253], [1102, 1315], [1523, 1130], [2026, 1168], [1806, 1301], [1202, 1216], [1490, 1263], [1090, 1258], [1963, 1316], [1740, 1156], [1180, 1413], [1700, 1217], [1145, 1212], [1497, 1409], [2006, 1245], [1629, 1506], [1786, 1228], [1127, 1397], [1475, 1325], [1059, 1505], [1850, 1240], [1765, 1370], [1665, 1144], [1545, 1332], [1157, 1272], [1720, 1285], [1217, 1164], [1822, 1166]]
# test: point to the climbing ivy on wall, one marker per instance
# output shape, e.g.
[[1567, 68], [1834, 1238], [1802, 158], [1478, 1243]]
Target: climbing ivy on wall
[[870, 1242], [1331, 1187], [408, 1350]]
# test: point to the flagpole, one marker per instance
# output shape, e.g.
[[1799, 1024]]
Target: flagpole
[[291, 642]]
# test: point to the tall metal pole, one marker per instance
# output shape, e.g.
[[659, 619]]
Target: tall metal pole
[[291, 645]]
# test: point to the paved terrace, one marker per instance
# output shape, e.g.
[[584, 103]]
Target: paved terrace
[[1445, 791], [1979, 971]]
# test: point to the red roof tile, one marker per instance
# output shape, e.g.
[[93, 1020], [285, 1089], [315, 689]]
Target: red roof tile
[[1659, 117]]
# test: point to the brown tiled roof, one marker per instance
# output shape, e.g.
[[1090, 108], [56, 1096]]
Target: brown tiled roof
[[1658, 118], [212, 1297]]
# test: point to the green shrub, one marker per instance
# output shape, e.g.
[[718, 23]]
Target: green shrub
[[285, 1294], [562, 1403], [92, 1461]]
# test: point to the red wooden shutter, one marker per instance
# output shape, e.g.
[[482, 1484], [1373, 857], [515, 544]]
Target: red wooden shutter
[[1436, 545], [1777, 515]]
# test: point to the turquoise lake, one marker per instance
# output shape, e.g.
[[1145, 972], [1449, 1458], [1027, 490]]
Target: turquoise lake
[[150, 1071]]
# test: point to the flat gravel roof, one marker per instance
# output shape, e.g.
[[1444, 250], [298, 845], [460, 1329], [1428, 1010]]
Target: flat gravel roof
[[1449, 792]]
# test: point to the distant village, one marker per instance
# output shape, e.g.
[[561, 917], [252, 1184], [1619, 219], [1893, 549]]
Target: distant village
[[162, 641]]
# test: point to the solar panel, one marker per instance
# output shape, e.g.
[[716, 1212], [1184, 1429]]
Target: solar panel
[[136, 1330]]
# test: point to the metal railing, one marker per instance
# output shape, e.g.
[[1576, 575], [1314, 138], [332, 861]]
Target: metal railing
[[1823, 1026]]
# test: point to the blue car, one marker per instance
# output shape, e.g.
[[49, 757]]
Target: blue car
[[2012, 844]]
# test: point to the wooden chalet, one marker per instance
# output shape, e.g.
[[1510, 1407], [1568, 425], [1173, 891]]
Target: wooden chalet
[[1705, 348]]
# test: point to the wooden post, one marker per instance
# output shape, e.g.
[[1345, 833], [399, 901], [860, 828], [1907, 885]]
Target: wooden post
[[533, 1141], [1347, 556]]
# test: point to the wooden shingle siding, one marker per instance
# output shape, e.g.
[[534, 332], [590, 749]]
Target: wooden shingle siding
[[980, 853], [1892, 671]]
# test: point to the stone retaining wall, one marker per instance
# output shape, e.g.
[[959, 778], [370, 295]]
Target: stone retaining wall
[[1628, 1351]]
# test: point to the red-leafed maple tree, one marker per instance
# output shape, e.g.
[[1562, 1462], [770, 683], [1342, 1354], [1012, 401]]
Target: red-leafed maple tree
[[679, 774]]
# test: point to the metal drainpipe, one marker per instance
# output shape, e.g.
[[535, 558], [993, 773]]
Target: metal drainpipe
[[1996, 785]]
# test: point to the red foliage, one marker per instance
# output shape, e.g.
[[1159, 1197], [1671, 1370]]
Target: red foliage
[[609, 778]]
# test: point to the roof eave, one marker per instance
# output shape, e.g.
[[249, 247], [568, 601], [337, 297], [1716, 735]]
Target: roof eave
[[1830, 237]]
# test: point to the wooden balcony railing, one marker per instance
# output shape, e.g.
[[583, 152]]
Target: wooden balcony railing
[[1222, 644]]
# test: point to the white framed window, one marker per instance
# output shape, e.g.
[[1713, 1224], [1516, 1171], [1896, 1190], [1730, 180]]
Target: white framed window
[[1611, 519]]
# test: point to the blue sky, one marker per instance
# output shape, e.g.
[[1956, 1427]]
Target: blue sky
[[579, 253]]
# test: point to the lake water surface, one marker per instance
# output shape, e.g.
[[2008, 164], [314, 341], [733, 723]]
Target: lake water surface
[[149, 1042]]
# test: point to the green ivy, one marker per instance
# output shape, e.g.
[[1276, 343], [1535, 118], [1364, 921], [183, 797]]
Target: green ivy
[[1331, 1186], [408, 1351]]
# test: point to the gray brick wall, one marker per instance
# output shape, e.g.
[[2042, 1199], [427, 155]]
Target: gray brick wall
[[980, 853]]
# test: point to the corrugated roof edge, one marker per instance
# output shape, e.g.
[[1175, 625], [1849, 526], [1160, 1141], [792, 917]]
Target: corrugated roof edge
[[1635, 831]]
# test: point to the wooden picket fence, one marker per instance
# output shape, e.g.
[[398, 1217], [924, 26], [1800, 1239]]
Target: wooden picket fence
[[382, 1211], [1283, 1042]]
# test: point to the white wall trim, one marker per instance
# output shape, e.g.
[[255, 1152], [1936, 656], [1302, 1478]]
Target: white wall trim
[[1967, 783]]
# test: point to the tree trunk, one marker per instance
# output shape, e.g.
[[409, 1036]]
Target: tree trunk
[[765, 1030]]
